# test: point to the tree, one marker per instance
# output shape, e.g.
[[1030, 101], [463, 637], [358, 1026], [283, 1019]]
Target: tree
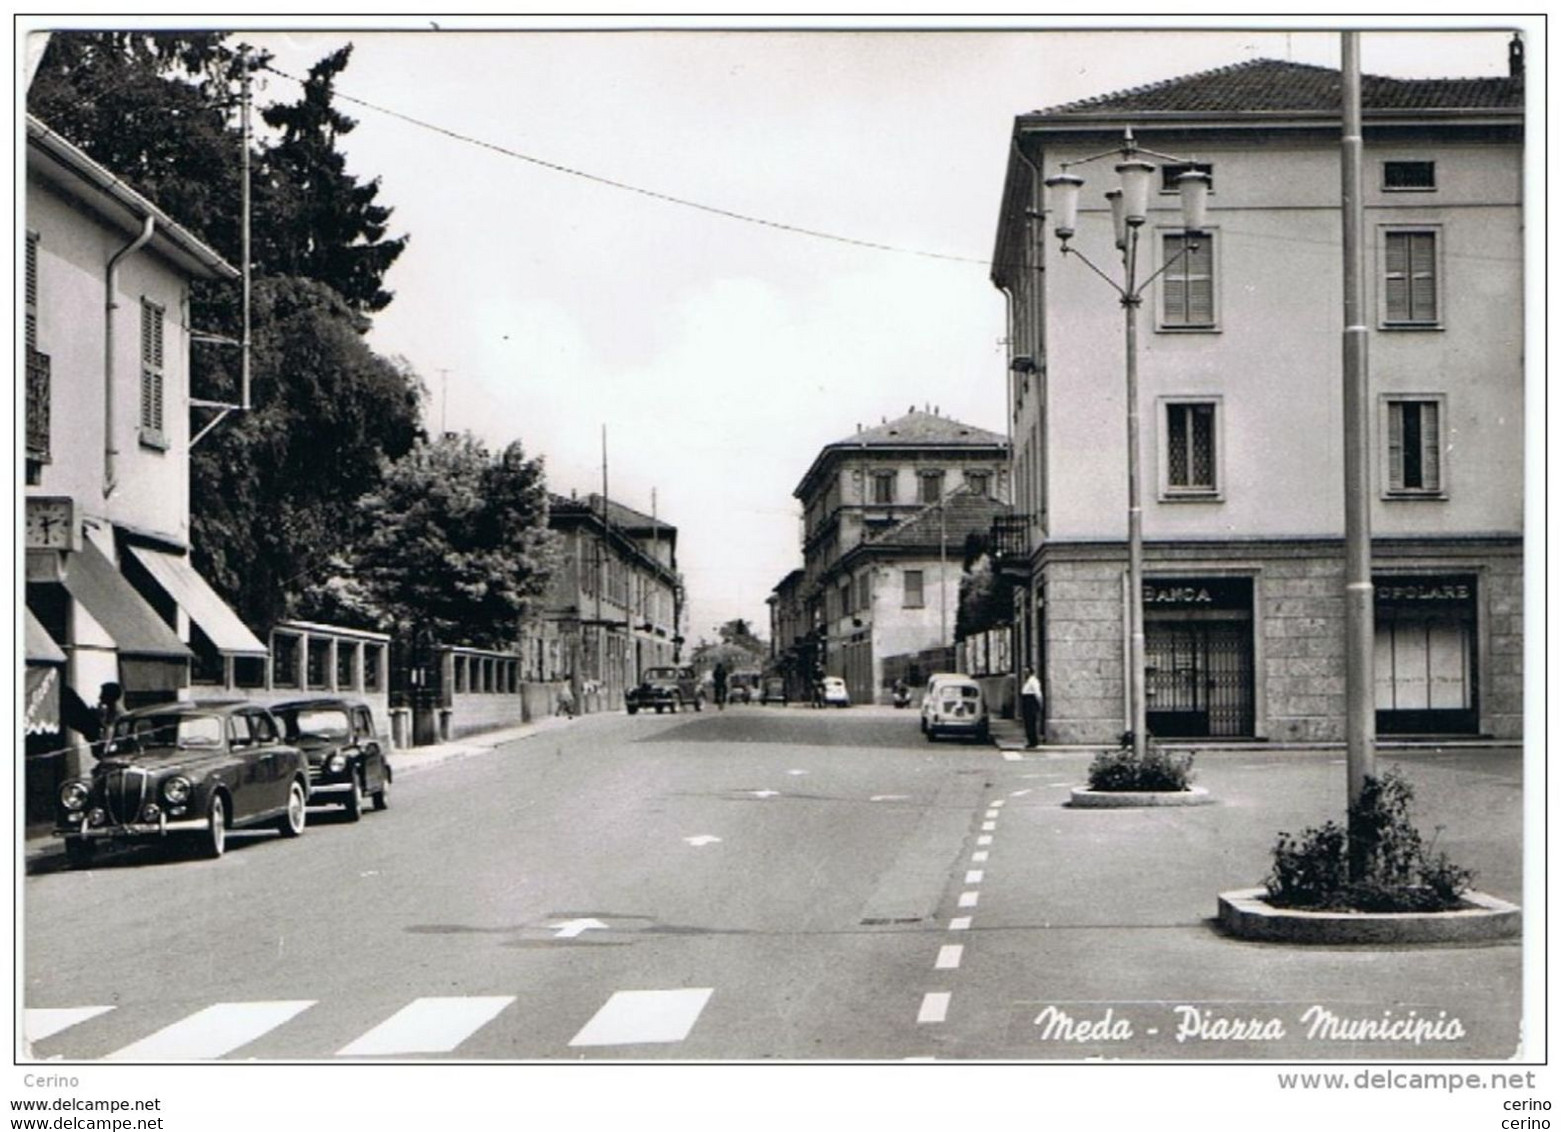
[[737, 632], [274, 494], [457, 542], [325, 224]]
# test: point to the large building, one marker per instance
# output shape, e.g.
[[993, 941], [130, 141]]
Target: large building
[[111, 595], [615, 603], [886, 514], [1240, 371]]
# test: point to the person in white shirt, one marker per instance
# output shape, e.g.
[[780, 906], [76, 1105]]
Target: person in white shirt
[[1030, 700]]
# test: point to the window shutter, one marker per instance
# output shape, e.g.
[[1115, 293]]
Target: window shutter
[[1430, 448], [1422, 277], [1395, 292], [1200, 283], [1396, 446]]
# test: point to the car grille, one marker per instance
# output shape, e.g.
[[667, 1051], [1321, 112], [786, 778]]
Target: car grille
[[125, 791]]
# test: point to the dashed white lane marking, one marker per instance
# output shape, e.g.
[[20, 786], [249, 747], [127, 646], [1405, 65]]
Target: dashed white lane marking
[[1013, 757], [988, 826], [633, 1017], [934, 1006], [796, 772], [949, 956], [983, 840], [765, 793], [979, 855], [998, 804], [968, 899], [991, 815], [959, 924], [1019, 793], [702, 839], [44, 1022], [889, 797], [428, 1025], [210, 1033], [974, 876]]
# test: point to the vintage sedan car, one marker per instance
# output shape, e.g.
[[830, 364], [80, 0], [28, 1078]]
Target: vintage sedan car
[[835, 693], [957, 707], [347, 755], [774, 691], [666, 688], [930, 691], [186, 770]]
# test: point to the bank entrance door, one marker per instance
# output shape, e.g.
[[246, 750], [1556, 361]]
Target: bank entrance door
[[1198, 657]]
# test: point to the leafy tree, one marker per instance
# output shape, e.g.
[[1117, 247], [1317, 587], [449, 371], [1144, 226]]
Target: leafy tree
[[275, 493], [456, 542], [737, 632]]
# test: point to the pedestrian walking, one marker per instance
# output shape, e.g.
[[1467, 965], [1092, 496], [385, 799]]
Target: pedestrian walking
[[1030, 702], [720, 685]]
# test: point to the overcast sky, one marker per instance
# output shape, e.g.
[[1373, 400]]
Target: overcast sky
[[720, 354]]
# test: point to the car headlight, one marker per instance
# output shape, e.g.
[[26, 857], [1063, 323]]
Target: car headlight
[[176, 790], [73, 795], [150, 812], [337, 763]]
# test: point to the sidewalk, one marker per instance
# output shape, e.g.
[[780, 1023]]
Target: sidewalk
[[1008, 735], [41, 843]]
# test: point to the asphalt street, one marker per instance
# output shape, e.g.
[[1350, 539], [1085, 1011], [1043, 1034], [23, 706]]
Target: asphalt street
[[760, 883]]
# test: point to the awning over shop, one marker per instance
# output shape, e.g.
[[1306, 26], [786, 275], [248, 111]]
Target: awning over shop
[[41, 648], [135, 627], [43, 699], [195, 596]]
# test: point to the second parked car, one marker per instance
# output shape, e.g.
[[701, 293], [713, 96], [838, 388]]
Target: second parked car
[[666, 688], [347, 755]]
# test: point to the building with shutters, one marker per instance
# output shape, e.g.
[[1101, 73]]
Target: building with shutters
[[886, 515], [111, 595], [1240, 377]]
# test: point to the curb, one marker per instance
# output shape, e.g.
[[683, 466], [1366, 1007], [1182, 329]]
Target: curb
[[1244, 913], [1083, 798]]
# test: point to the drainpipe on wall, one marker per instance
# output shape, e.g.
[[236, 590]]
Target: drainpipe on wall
[[110, 305]]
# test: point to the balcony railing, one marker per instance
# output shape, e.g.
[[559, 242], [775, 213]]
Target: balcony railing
[[37, 406], [1010, 538]]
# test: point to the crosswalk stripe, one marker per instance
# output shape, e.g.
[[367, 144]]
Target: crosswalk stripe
[[428, 1025], [631, 1017], [934, 1006], [44, 1022], [210, 1033]]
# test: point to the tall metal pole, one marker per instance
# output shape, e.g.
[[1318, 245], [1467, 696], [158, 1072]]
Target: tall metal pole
[[1137, 715], [1360, 720], [244, 106]]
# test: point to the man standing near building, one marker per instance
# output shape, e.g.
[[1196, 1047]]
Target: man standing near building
[[1030, 700]]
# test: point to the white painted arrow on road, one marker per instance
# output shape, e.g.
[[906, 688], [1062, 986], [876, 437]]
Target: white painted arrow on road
[[571, 928], [702, 839]]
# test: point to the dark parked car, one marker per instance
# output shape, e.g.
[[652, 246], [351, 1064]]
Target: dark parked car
[[665, 688], [186, 770], [347, 755], [774, 691]]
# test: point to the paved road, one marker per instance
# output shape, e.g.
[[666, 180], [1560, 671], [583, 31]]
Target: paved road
[[759, 883]]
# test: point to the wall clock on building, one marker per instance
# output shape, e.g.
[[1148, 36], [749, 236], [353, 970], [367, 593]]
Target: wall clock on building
[[51, 523]]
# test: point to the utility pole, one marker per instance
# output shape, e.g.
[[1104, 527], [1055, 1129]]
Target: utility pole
[[1359, 715]]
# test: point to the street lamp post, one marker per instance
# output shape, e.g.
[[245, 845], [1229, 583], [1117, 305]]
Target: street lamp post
[[1129, 209]]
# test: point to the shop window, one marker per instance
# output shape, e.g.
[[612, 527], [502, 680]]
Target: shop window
[[372, 660], [319, 662], [249, 672], [346, 665], [284, 660]]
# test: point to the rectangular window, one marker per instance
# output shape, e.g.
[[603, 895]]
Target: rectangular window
[[864, 595], [1405, 176], [1170, 171], [284, 661], [931, 487], [1409, 283], [1190, 463], [1414, 448], [913, 589], [371, 664], [883, 487], [319, 662], [1187, 287], [979, 483], [346, 666], [151, 372]]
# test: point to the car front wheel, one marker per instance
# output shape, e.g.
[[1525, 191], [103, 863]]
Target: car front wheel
[[291, 823], [355, 800], [382, 795], [215, 841]]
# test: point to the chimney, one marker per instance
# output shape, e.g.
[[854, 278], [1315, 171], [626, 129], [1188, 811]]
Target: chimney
[[1515, 56]]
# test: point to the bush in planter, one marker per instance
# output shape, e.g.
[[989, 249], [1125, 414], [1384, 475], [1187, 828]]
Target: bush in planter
[[1398, 873], [1120, 770]]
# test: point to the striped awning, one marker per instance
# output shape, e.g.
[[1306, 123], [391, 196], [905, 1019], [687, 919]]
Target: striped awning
[[135, 627], [195, 596]]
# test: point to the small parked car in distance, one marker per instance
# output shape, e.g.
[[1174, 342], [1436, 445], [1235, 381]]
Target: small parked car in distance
[[185, 770], [774, 691], [666, 688], [926, 697], [835, 692], [347, 755], [958, 708]]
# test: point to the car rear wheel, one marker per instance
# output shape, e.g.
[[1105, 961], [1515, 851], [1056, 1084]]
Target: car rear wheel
[[355, 800], [79, 852], [215, 840], [291, 823], [382, 795], [632, 708]]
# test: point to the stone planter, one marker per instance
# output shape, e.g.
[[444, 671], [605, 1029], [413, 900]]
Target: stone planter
[[1083, 798], [1245, 914]]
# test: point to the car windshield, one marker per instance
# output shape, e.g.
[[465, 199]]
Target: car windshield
[[317, 723], [166, 732], [950, 692], [661, 674]]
